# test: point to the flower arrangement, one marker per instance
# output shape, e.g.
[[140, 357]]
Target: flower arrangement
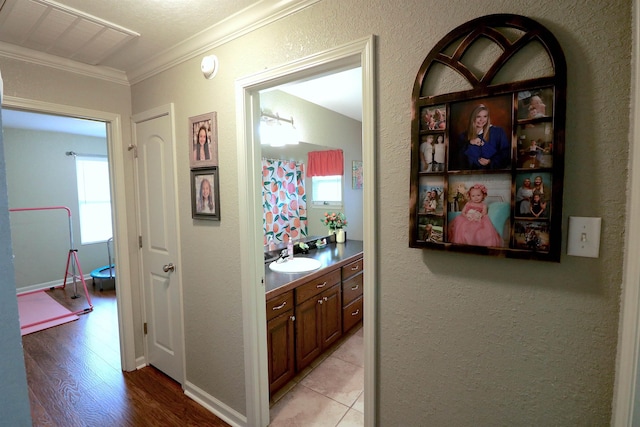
[[334, 220]]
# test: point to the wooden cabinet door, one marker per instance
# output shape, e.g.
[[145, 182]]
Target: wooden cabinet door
[[280, 347], [331, 316], [308, 341]]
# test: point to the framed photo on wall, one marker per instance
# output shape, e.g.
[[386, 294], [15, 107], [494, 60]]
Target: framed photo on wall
[[487, 161], [203, 141], [356, 175], [205, 194]]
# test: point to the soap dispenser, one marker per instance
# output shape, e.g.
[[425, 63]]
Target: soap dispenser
[[290, 249]]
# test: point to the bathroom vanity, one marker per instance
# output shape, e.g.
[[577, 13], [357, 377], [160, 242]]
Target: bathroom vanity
[[308, 312]]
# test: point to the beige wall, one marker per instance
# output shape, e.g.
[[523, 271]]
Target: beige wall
[[463, 339], [39, 174], [46, 87]]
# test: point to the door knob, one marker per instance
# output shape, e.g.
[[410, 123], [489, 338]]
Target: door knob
[[168, 267]]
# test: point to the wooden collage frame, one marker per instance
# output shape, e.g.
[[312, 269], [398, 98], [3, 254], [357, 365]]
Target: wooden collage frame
[[487, 162]]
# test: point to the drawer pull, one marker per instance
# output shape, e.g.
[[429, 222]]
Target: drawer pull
[[355, 287], [355, 313], [322, 285], [279, 307], [355, 268]]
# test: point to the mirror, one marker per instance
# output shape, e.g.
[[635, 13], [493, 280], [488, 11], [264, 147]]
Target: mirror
[[327, 114]]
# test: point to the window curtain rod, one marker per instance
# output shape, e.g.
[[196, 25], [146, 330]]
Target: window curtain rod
[[74, 154]]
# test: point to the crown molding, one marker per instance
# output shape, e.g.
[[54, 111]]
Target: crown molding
[[237, 25], [11, 51]]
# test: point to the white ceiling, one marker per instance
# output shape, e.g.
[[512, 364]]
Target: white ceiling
[[133, 39], [70, 29]]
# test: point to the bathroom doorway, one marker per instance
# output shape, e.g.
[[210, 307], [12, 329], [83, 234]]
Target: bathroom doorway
[[353, 55]]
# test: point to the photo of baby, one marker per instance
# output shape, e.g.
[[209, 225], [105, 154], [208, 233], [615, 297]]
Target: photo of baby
[[483, 215], [535, 104]]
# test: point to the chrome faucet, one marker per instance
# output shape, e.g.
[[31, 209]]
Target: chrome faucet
[[284, 256]]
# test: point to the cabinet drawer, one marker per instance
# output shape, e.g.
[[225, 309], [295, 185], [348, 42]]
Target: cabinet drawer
[[352, 314], [278, 305], [352, 268], [351, 289], [314, 287]]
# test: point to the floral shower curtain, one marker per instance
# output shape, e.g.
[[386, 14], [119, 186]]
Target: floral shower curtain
[[284, 200]]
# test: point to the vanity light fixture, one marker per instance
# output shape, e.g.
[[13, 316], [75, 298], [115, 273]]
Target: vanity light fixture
[[277, 131], [209, 66]]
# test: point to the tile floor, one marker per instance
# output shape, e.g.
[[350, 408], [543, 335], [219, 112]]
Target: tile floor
[[329, 393]]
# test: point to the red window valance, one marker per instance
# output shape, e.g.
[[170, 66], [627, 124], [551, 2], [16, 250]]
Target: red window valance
[[325, 163]]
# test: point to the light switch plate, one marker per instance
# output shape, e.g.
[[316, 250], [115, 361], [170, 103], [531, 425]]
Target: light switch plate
[[584, 236]]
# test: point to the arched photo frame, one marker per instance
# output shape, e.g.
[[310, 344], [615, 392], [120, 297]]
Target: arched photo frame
[[487, 137]]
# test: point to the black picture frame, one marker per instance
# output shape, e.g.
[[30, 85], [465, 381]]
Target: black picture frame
[[205, 206]]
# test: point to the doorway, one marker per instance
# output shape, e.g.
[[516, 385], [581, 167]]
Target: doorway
[[355, 54], [116, 171]]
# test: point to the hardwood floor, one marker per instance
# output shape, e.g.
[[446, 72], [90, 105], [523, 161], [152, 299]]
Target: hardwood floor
[[75, 379]]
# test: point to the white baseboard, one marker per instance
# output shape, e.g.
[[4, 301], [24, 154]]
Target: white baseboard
[[141, 362], [223, 411], [49, 285]]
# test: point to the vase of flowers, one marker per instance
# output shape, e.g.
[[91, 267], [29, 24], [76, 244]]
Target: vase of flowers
[[336, 221]]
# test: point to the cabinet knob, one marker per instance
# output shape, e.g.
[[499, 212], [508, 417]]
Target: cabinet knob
[[320, 301], [292, 318]]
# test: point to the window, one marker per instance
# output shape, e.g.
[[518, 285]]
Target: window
[[94, 198], [327, 190]]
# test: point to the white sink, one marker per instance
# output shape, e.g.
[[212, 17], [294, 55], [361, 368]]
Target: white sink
[[296, 265]]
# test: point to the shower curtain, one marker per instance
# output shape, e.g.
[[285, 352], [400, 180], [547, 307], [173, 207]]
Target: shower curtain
[[284, 201]]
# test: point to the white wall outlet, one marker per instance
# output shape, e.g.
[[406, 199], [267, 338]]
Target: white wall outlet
[[584, 236]]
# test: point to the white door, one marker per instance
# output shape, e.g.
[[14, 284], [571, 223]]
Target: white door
[[159, 241]]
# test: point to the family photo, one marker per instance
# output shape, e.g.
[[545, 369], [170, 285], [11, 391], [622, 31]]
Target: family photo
[[533, 195], [431, 192]]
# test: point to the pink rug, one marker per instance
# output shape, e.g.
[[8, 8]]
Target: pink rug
[[39, 311]]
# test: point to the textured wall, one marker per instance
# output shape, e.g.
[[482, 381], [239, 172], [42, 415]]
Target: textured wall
[[464, 339]]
